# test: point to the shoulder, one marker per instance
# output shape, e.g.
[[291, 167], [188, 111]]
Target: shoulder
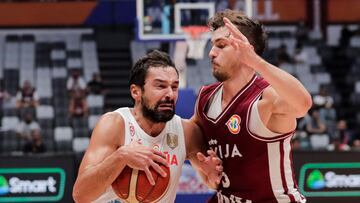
[[110, 126], [107, 136], [112, 119]]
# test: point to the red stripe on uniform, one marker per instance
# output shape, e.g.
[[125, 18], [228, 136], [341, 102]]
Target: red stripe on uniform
[[282, 171]]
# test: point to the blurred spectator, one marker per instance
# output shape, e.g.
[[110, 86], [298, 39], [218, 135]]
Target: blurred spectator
[[26, 126], [328, 115], [314, 124], [324, 102], [282, 55], [316, 130], [356, 145], [35, 143], [95, 85], [300, 56], [301, 140], [27, 99], [342, 132], [323, 99], [78, 106], [75, 82], [302, 32], [336, 145], [345, 36], [295, 144], [341, 137], [4, 95]]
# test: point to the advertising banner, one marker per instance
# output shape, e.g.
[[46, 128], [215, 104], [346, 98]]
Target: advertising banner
[[328, 177], [45, 178]]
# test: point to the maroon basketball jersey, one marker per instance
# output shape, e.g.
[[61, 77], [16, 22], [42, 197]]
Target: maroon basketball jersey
[[257, 169]]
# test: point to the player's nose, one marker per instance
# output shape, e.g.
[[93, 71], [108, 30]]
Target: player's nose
[[212, 52]]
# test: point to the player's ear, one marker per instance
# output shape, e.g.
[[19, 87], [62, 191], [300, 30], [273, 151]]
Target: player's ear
[[135, 92]]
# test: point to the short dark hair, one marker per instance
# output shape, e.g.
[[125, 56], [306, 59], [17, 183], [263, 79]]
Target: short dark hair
[[155, 59], [253, 30]]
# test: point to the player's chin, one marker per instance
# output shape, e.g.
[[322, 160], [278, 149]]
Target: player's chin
[[167, 113], [164, 115], [166, 108]]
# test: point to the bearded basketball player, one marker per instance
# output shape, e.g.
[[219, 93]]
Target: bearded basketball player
[[144, 136]]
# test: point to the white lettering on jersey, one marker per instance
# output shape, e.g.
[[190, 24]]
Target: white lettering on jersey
[[226, 181], [232, 199], [227, 151]]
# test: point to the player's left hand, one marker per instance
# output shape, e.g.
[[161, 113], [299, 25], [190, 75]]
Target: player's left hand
[[211, 166], [245, 51]]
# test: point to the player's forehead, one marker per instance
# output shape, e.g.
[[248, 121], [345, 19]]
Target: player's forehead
[[219, 34], [166, 74]]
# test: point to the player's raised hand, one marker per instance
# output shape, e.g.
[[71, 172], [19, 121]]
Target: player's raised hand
[[238, 40], [211, 166], [141, 157]]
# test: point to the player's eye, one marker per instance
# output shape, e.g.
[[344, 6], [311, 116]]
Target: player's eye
[[175, 87], [221, 46]]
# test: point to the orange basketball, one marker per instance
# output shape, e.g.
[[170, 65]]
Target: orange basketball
[[133, 185]]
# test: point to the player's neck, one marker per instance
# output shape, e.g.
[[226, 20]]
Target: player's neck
[[233, 85], [149, 127]]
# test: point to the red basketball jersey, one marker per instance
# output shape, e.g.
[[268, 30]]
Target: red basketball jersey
[[257, 169]]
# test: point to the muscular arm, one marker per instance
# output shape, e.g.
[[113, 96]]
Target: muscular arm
[[103, 160], [289, 90], [290, 93], [209, 169], [286, 99], [107, 156]]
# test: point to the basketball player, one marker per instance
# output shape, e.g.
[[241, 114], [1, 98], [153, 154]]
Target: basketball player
[[145, 136], [249, 116]]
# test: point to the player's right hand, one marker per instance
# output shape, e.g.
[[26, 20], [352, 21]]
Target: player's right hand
[[141, 157], [211, 166]]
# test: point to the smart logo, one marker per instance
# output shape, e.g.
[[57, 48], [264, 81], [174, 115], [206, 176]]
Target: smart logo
[[315, 180], [32, 184], [4, 187], [330, 179]]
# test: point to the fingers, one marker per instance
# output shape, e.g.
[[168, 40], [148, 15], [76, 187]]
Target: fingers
[[200, 156], [149, 176], [211, 152], [234, 30], [158, 169], [216, 160], [160, 159], [218, 176], [218, 180], [158, 152]]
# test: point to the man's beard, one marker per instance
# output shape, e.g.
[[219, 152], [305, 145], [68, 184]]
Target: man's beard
[[156, 115], [219, 76]]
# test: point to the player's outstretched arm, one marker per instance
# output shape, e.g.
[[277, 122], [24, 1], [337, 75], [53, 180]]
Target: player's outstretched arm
[[208, 167], [106, 157]]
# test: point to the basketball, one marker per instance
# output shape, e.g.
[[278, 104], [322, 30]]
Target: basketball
[[133, 185]]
